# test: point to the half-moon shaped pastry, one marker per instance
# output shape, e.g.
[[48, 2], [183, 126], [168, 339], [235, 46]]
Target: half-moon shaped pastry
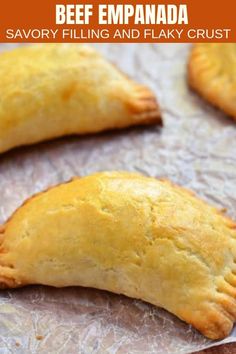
[[52, 90], [212, 73], [132, 235]]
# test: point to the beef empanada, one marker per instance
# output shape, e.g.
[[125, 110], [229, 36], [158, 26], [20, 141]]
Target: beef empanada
[[129, 234], [212, 73], [52, 90]]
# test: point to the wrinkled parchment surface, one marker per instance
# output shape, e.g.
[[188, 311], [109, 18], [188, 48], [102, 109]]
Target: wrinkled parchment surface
[[196, 148]]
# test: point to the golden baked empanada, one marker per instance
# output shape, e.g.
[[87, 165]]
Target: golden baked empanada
[[51, 90], [128, 234], [212, 73]]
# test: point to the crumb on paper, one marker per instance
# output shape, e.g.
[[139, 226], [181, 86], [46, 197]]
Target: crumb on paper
[[39, 337], [224, 210]]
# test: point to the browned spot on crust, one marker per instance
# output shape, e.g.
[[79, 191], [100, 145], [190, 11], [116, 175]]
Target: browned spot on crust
[[69, 91], [2, 229]]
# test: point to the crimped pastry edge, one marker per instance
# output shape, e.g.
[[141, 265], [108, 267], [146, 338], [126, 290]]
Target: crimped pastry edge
[[197, 81]]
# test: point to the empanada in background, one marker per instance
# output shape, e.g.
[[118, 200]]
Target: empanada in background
[[132, 235], [212, 73], [52, 90]]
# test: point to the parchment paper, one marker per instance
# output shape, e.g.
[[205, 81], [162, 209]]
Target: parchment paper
[[196, 148]]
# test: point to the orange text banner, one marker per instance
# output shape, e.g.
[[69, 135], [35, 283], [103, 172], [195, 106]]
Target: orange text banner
[[117, 21]]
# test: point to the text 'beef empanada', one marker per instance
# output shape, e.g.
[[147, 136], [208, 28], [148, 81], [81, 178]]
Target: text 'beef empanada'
[[128, 234], [52, 90]]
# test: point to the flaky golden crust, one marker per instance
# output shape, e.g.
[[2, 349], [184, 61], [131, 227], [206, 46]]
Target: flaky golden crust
[[212, 73], [126, 233], [53, 90]]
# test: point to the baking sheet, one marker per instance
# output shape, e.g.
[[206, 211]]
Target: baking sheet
[[196, 148]]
